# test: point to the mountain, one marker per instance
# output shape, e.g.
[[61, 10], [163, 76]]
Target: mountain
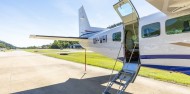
[[6, 45]]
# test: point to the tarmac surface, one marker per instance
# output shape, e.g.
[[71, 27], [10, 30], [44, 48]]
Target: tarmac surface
[[28, 73]]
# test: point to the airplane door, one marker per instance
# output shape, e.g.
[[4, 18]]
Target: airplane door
[[129, 16], [130, 19]]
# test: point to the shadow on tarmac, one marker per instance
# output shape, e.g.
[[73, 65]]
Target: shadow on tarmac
[[74, 86]]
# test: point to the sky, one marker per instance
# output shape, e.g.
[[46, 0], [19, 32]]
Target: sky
[[21, 18]]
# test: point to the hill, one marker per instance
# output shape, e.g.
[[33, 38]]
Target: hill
[[6, 45]]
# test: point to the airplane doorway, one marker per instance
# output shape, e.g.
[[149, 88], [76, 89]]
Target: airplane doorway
[[131, 43]]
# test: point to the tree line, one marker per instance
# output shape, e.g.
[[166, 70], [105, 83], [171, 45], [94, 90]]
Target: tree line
[[57, 44]]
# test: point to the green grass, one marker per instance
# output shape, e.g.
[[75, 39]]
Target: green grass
[[168, 76], [95, 59]]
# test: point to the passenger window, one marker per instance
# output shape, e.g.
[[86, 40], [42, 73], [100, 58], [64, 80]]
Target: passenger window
[[116, 36], [178, 25], [103, 39], [151, 30], [95, 40]]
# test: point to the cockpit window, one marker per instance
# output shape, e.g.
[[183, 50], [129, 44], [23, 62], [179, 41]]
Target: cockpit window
[[178, 25], [125, 9]]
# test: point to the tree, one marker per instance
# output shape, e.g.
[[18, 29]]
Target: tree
[[46, 46], [62, 44], [55, 45], [32, 47], [2, 45]]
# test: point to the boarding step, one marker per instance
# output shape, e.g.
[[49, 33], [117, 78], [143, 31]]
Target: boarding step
[[125, 77], [118, 83]]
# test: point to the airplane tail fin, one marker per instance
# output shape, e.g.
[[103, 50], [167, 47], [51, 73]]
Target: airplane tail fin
[[85, 30], [84, 24]]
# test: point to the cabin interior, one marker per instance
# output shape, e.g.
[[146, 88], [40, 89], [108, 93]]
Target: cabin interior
[[131, 42]]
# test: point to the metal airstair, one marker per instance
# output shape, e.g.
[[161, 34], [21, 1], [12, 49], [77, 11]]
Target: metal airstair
[[126, 76]]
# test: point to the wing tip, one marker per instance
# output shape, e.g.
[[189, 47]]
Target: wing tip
[[32, 36]]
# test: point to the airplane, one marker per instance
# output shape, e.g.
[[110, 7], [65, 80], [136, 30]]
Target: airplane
[[161, 38]]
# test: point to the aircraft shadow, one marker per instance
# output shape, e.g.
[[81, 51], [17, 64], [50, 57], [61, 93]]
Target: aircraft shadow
[[74, 86]]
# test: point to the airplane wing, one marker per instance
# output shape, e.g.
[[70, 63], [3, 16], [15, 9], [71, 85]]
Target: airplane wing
[[172, 8], [58, 38]]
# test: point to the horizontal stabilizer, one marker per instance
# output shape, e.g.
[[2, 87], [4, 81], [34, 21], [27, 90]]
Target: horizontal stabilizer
[[58, 38]]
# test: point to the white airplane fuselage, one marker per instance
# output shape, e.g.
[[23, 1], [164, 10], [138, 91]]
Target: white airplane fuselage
[[160, 50]]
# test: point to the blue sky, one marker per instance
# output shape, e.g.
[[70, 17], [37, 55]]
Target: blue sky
[[20, 18]]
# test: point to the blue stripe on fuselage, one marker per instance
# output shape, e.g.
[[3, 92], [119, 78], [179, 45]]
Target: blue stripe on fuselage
[[165, 56], [185, 70]]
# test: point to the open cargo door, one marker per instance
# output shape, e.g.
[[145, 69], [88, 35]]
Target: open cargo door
[[172, 8]]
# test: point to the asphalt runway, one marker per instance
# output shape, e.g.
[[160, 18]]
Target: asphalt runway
[[28, 73]]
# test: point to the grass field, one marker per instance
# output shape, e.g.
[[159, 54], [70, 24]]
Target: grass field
[[95, 59]]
